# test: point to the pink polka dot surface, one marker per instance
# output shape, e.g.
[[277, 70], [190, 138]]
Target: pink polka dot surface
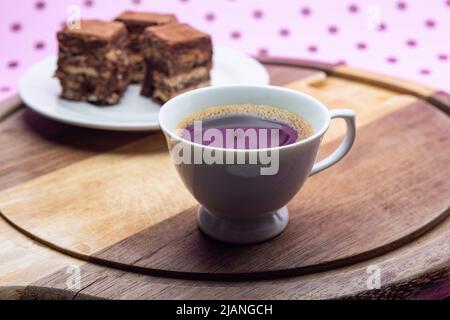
[[258, 14], [361, 45], [305, 11], [284, 32], [401, 5], [210, 16], [333, 29], [235, 34], [401, 38], [40, 5]]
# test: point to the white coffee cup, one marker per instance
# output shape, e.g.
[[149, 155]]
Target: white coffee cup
[[239, 204]]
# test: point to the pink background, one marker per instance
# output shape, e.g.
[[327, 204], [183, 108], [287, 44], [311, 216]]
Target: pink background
[[408, 39]]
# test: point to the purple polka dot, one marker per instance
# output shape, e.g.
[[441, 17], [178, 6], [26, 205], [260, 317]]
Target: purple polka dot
[[424, 71], [333, 29], [263, 52], [258, 14], [382, 26], [88, 3], [136, 2], [40, 5], [430, 23], [39, 45], [284, 32], [184, 1], [447, 3], [236, 35], [442, 57], [353, 8], [305, 11], [16, 27], [5, 89], [13, 64], [411, 43], [401, 5], [391, 59], [361, 46], [210, 17], [312, 48]]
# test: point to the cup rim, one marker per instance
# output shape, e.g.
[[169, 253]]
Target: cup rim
[[313, 100]]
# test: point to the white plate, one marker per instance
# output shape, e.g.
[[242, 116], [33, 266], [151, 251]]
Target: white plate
[[39, 90]]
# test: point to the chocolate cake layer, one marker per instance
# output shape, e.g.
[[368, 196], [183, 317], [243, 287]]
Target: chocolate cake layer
[[178, 58], [92, 36], [135, 23], [82, 82], [81, 87], [176, 48], [135, 19], [93, 62]]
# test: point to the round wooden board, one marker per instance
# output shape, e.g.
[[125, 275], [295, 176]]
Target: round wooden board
[[114, 199]]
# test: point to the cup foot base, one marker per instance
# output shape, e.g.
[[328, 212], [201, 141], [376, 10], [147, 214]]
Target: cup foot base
[[243, 231]]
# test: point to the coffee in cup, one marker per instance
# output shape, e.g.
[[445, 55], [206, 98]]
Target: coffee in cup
[[244, 126]]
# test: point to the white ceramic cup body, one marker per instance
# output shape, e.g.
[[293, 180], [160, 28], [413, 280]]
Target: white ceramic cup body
[[241, 205]]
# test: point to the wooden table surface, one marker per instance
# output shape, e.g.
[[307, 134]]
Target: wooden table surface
[[109, 206]]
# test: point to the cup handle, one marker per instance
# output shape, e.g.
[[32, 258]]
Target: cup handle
[[345, 146]]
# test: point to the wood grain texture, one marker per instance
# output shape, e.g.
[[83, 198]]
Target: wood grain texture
[[121, 191], [23, 261], [370, 103], [376, 199], [9, 106], [37, 146], [416, 271], [422, 264], [281, 75], [33, 145], [393, 197]]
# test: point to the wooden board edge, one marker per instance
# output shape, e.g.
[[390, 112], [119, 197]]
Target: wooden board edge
[[10, 106], [441, 100], [282, 273], [431, 285], [326, 67], [437, 98], [384, 81], [42, 241], [41, 293]]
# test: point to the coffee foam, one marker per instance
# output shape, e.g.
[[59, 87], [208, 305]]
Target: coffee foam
[[292, 119]]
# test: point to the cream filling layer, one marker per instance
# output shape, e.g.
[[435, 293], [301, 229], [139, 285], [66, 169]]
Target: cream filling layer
[[196, 73], [163, 96]]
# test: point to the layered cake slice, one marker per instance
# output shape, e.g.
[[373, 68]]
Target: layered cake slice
[[178, 58], [136, 22], [92, 62]]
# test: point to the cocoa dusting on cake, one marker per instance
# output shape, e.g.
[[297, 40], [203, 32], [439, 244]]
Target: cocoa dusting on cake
[[178, 58], [92, 62], [135, 23]]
